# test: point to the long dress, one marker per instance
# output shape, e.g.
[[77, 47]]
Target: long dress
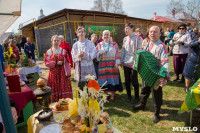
[[59, 76], [107, 71]]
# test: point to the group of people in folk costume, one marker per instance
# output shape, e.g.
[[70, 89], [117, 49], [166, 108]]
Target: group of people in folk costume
[[102, 60]]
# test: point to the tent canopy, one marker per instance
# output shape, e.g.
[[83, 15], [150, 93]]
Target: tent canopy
[[9, 12]]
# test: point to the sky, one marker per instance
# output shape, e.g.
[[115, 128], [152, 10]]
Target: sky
[[134, 8]]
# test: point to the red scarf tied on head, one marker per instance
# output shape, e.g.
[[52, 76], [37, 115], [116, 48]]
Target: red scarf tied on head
[[67, 48]]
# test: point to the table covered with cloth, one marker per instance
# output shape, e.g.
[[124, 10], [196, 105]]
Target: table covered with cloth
[[192, 101], [28, 70], [22, 98], [34, 126]]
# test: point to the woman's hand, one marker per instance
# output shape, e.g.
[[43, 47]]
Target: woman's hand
[[180, 42], [55, 57], [59, 63], [14, 55], [122, 64], [103, 53], [175, 38], [14, 114], [116, 66]]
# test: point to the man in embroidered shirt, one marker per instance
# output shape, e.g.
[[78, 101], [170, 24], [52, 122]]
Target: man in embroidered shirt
[[159, 50], [131, 44]]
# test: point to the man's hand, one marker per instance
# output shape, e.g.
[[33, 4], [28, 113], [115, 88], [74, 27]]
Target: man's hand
[[81, 54], [199, 40], [163, 83]]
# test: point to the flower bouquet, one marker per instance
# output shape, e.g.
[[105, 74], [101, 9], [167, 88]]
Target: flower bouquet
[[11, 73], [86, 111]]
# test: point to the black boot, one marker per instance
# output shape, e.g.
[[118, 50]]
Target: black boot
[[177, 77], [138, 107], [136, 100], [129, 95], [156, 117], [129, 99], [186, 89], [182, 80]]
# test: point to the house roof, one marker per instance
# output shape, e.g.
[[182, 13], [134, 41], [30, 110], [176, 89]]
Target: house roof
[[165, 19], [76, 11]]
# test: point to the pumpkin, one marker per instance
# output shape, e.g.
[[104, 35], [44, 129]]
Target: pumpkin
[[40, 82]]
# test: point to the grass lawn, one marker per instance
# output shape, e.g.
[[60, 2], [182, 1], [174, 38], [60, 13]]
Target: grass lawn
[[127, 121]]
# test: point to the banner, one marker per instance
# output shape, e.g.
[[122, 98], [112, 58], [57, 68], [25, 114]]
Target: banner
[[99, 29]]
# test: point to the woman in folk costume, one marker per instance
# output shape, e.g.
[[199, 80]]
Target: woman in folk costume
[[59, 71], [83, 53], [67, 48], [109, 59], [13, 49]]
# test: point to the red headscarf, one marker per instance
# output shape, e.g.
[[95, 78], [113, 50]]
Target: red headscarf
[[65, 46]]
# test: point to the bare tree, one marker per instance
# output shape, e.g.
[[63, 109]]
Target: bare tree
[[113, 6], [108, 5], [98, 5], [177, 6], [190, 7], [117, 7], [193, 9]]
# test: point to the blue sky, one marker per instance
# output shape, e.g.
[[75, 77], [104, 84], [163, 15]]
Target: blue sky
[[134, 8]]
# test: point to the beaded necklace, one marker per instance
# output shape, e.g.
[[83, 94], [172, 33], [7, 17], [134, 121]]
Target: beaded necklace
[[105, 46]]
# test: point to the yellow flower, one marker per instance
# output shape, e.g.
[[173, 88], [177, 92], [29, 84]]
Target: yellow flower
[[10, 51]]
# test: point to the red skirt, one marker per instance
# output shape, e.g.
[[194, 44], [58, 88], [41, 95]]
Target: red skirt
[[59, 83]]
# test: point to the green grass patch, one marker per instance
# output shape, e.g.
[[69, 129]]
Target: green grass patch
[[127, 121]]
